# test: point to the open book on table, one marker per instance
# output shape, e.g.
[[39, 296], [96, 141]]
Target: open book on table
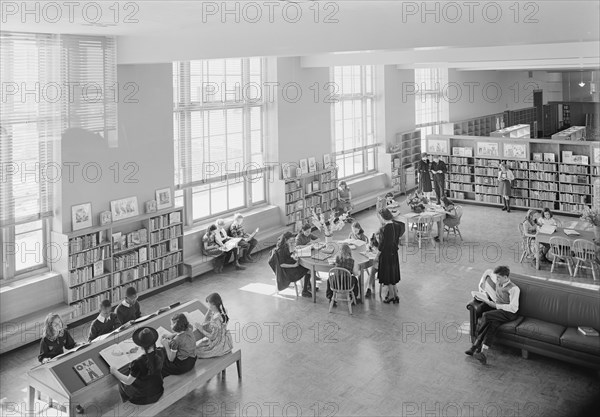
[[571, 232], [547, 229], [121, 354]]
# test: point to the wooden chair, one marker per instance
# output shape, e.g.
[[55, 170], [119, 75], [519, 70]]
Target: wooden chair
[[340, 281], [424, 230], [451, 224], [560, 249], [585, 251], [526, 240]]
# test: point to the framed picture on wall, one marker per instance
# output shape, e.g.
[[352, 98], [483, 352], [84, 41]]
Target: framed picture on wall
[[124, 208], [549, 157], [515, 150], [597, 155], [326, 161], [81, 216], [150, 206], [437, 146], [487, 149], [312, 164], [163, 198], [105, 218], [304, 166]]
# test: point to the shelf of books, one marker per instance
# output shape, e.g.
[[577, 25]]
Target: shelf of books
[[314, 190], [553, 174], [403, 155], [145, 252]]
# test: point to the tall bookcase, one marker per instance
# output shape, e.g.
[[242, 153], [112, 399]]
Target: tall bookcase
[[313, 190], [477, 126], [402, 162], [145, 252], [554, 174], [527, 115]]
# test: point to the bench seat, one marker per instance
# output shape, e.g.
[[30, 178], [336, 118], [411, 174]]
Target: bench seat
[[23, 330], [178, 386], [365, 191]]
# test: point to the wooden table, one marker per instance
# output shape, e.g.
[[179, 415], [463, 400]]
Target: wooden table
[[60, 381], [316, 265], [407, 218], [540, 237]]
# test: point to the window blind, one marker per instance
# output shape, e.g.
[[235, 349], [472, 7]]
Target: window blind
[[30, 124]]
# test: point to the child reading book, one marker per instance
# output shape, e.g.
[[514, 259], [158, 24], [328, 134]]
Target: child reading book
[[305, 236], [217, 340], [180, 347], [55, 338], [106, 322], [358, 233]]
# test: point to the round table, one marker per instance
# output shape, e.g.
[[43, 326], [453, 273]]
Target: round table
[[437, 214], [322, 265]]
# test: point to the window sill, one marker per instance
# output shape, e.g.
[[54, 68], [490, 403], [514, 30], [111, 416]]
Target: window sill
[[30, 278], [205, 224]]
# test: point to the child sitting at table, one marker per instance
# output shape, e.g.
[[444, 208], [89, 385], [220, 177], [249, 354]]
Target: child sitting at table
[[106, 322], [344, 260], [547, 218], [217, 340], [180, 347], [129, 309], [373, 247], [54, 339], [358, 233], [305, 236]]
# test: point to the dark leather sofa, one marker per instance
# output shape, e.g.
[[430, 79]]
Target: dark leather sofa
[[549, 314]]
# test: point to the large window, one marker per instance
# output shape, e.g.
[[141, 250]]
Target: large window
[[431, 106], [354, 146], [219, 132]]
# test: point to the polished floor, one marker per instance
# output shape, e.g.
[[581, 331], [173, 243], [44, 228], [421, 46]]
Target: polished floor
[[385, 360]]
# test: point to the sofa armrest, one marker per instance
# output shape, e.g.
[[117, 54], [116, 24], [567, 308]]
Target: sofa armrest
[[475, 311]]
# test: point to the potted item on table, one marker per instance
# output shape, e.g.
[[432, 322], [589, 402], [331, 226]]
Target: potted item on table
[[328, 226], [417, 202], [592, 216]]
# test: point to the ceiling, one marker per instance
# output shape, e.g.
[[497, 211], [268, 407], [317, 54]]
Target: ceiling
[[551, 35]]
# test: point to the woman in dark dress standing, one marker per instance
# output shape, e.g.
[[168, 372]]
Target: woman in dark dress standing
[[286, 268], [424, 171], [144, 384], [389, 262]]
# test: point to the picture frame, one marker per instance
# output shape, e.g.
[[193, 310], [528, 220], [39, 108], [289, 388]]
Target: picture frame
[[468, 152], [597, 155], [487, 149], [124, 208], [164, 198], [105, 218], [81, 216], [312, 164], [549, 157], [304, 166], [150, 206], [515, 150], [538, 157], [437, 146], [326, 161]]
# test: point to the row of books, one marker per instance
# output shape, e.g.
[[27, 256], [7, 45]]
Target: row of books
[[574, 198], [292, 186], [131, 274], [81, 243], [90, 288], [574, 169], [164, 248], [546, 186], [517, 164], [164, 234], [294, 207], [88, 257], [461, 169], [293, 196], [292, 218], [572, 208], [487, 180], [457, 195], [487, 171], [542, 166], [165, 220], [522, 183], [327, 186], [520, 193], [329, 176], [487, 162], [580, 179], [88, 305], [487, 198], [543, 195], [544, 176], [123, 241], [79, 276], [130, 259], [165, 262], [570, 188], [461, 178], [459, 161], [312, 201], [486, 190], [462, 187], [332, 195], [165, 276]]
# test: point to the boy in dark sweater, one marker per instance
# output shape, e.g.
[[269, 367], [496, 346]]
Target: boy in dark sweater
[[129, 309], [106, 322], [305, 237]]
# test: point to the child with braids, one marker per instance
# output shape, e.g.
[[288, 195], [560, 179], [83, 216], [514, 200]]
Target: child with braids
[[217, 340]]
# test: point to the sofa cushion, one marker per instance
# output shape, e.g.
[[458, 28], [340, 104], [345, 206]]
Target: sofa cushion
[[511, 326], [573, 339], [544, 304], [541, 330]]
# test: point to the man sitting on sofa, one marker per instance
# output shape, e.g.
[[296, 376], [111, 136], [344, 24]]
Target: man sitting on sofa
[[501, 297], [248, 243]]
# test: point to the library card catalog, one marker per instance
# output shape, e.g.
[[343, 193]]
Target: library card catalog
[[88, 371]]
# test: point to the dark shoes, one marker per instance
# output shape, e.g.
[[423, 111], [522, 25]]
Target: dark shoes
[[306, 294], [471, 350], [395, 300], [368, 293], [480, 356]]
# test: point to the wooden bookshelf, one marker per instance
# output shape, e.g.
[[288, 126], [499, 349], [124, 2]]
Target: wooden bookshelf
[[477, 126], [313, 190], [527, 115], [98, 265], [571, 133], [515, 132], [403, 159], [545, 175]]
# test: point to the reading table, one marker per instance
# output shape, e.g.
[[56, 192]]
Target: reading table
[[59, 380], [582, 233]]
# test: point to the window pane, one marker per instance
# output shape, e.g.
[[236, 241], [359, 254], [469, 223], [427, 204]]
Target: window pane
[[258, 189], [201, 202], [218, 201], [236, 194], [29, 240]]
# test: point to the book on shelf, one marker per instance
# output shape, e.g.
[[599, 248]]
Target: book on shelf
[[588, 331], [173, 245], [98, 268], [88, 371], [143, 254], [116, 241], [175, 217], [549, 157], [143, 236]]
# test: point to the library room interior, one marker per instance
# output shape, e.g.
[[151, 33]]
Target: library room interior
[[385, 208]]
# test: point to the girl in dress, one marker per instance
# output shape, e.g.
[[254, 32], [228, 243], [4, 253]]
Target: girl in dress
[[505, 178], [212, 248], [344, 260], [344, 198], [424, 171], [180, 347], [358, 233], [547, 218], [55, 338], [217, 340]]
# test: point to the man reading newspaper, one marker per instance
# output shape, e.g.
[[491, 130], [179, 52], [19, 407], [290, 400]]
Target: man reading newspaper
[[501, 297]]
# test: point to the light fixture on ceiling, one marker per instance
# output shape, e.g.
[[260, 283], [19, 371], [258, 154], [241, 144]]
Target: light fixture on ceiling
[[582, 84]]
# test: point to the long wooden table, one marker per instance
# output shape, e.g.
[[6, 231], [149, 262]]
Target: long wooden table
[[316, 265], [60, 381], [584, 233]]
